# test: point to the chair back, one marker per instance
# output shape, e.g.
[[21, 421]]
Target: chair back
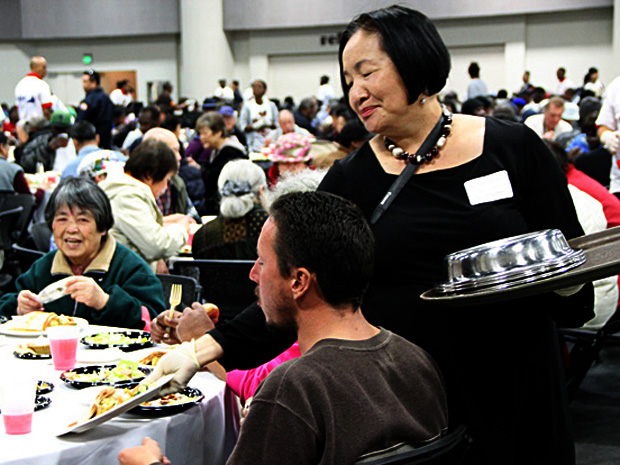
[[191, 289], [41, 235], [26, 201], [8, 222], [25, 257], [448, 450], [225, 283]]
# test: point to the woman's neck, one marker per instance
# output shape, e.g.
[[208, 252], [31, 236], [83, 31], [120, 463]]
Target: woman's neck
[[419, 123]]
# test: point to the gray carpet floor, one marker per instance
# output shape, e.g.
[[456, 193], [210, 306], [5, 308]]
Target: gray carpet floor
[[596, 412]]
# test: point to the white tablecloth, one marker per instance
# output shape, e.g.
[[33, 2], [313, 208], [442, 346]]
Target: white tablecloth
[[201, 435]]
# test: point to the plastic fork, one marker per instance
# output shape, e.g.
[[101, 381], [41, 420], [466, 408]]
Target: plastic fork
[[176, 291]]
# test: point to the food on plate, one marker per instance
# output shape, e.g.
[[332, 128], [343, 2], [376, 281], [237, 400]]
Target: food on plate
[[213, 311], [171, 399], [124, 371], [116, 339], [40, 321], [40, 346], [43, 387], [107, 399], [153, 358]]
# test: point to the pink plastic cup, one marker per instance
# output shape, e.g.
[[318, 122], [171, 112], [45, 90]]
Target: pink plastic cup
[[63, 345], [17, 404]]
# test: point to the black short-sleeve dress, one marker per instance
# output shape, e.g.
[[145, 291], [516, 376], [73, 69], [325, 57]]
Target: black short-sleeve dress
[[501, 362]]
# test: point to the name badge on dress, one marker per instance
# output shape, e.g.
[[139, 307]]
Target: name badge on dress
[[489, 188]]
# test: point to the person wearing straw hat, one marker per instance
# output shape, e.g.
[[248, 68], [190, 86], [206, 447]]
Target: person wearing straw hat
[[292, 153]]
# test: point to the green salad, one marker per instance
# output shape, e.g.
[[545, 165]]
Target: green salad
[[124, 371], [115, 339]]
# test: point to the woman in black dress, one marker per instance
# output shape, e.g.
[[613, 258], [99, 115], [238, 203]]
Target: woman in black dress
[[481, 180], [485, 180]]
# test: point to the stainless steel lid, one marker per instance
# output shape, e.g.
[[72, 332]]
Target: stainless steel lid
[[509, 262]]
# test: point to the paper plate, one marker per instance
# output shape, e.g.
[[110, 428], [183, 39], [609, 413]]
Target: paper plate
[[153, 391], [9, 330], [95, 369], [160, 407], [133, 340]]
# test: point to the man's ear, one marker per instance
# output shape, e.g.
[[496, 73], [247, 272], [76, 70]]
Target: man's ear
[[301, 280]]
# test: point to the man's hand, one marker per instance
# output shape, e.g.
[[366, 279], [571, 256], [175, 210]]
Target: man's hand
[[146, 454], [194, 323], [609, 139], [28, 302], [85, 290], [182, 362], [161, 267], [163, 328]]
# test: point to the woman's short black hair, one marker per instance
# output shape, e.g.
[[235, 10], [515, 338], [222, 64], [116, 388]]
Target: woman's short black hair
[[151, 159], [413, 44], [83, 193]]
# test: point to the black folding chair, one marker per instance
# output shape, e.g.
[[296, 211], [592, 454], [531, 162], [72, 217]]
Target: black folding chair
[[8, 225], [8, 222], [191, 289], [41, 236], [585, 348], [449, 450], [25, 257], [225, 283], [26, 201]]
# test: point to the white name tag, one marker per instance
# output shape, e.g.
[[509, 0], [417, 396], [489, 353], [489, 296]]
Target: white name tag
[[489, 188]]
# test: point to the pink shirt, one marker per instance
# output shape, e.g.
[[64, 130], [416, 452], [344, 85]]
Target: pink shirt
[[244, 382], [610, 203]]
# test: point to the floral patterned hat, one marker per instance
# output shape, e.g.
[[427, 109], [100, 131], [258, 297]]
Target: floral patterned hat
[[292, 148]]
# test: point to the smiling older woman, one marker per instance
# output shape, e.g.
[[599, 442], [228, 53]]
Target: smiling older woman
[[109, 284]]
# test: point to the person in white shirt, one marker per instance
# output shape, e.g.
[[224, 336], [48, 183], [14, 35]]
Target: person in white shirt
[[608, 126], [258, 116], [33, 96], [592, 83], [223, 92], [550, 125], [563, 82], [122, 94], [326, 92]]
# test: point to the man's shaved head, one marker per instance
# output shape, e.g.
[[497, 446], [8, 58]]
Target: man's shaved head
[[167, 137]]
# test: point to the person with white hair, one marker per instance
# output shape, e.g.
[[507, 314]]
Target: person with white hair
[[234, 233]]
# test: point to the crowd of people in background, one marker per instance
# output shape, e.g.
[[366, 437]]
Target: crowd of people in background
[[42, 133], [162, 166]]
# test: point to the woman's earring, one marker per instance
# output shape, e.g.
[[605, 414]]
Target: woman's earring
[[423, 101]]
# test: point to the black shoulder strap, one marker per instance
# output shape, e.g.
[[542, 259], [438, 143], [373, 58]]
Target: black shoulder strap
[[406, 174]]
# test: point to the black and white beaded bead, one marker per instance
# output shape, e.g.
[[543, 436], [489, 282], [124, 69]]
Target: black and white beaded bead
[[400, 154]]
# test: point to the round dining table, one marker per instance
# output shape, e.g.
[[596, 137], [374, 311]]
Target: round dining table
[[203, 434]]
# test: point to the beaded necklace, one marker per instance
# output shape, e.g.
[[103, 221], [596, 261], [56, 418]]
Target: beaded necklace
[[400, 154]]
